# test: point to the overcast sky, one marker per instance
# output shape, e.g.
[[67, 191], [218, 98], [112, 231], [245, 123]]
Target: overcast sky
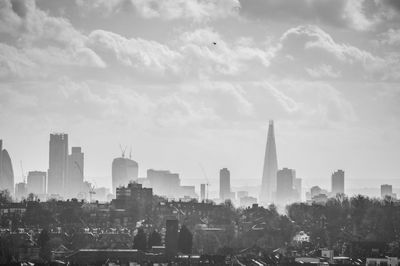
[[146, 73]]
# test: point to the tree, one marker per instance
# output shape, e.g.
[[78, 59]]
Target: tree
[[154, 239], [139, 241], [185, 240], [5, 196], [42, 241]]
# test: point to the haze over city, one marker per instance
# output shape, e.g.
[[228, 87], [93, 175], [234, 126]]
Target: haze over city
[[189, 83]]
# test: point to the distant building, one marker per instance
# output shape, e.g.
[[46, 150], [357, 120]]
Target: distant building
[[269, 177], [301, 237], [36, 182], [202, 192], [164, 183], [20, 191], [224, 184], [101, 194], [247, 201], [387, 191], [124, 170], [188, 192], [58, 164], [74, 181], [284, 190], [134, 196], [241, 194], [338, 182], [6, 171], [298, 188]]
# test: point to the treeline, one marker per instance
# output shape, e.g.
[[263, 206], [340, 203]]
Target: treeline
[[342, 223]]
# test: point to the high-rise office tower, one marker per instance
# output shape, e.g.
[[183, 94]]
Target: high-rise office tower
[[6, 171], [164, 183], [124, 170], [338, 182], [268, 186], [74, 181], [386, 191], [202, 192], [224, 184], [298, 188], [20, 191], [284, 186], [58, 164], [36, 182]]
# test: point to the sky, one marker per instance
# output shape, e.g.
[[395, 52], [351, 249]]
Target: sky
[[192, 84]]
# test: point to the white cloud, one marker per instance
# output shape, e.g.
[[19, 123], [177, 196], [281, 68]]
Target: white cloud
[[196, 10], [317, 38], [136, 53], [322, 71]]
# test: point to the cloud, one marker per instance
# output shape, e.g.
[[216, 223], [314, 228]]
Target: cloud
[[196, 10], [206, 50], [322, 71], [285, 101], [391, 37], [135, 53], [360, 15], [316, 38]]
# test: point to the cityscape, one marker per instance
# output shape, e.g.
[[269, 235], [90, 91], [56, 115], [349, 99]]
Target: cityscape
[[200, 132]]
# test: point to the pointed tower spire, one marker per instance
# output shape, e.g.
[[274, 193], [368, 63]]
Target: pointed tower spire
[[268, 186]]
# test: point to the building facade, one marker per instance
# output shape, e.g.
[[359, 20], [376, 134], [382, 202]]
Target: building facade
[[36, 182], [124, 171], [224, 184], [6, 171], [58, 164], [74, 181], [338, 182], [285, 192]]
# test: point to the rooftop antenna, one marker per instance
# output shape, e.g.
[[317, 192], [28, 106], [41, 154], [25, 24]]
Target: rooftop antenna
[[130, 152]]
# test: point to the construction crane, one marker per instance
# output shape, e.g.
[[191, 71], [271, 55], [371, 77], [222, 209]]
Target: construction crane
[[91, 192], [22, 172], [207, 181], [122, 150]]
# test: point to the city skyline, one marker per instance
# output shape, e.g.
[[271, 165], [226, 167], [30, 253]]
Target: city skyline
[[201, 83]]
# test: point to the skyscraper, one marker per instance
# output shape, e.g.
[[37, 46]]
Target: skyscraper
[[338, 182], [74, 181], [298, 188], [164, 183], [6, 171], [268, 186], [124, 170], [387, 191], [58, 163], [36, 182], [20, 191], [224, 184], [284, 188]]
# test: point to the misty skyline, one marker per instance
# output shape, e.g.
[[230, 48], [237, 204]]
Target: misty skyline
[[148, 74]]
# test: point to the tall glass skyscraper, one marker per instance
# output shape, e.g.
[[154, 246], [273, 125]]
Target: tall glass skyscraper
[[58, 164], [268, 185], [6, 171]]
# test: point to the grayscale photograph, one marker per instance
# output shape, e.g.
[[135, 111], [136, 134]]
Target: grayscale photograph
[[200, 132]]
